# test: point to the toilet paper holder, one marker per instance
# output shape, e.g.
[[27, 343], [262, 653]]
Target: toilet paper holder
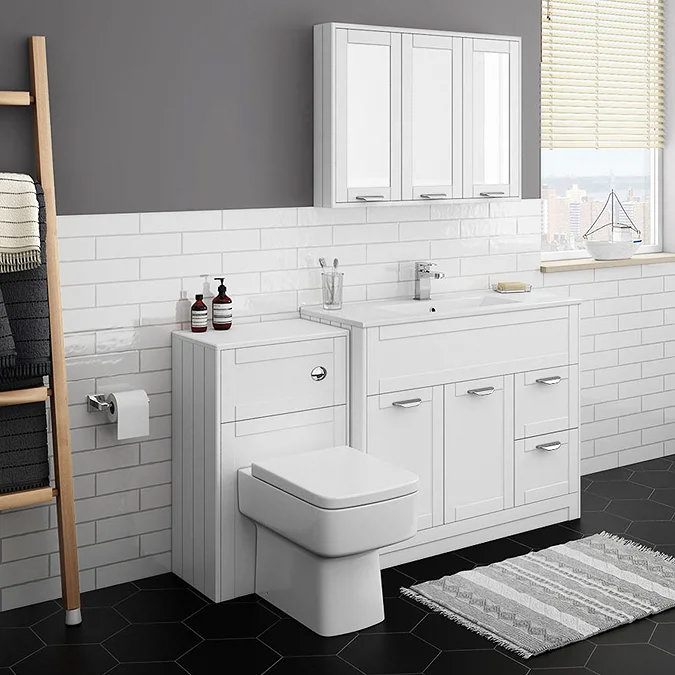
[[97, 403]]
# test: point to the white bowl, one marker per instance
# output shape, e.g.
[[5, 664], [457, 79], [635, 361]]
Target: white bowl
[[613, 250]]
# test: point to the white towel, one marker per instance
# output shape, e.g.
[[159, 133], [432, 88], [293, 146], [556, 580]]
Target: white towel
[[19, 227]]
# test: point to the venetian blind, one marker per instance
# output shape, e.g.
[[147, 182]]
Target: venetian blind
[[602, 74]]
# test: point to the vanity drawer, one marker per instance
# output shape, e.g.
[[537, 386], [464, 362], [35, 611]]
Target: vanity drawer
[[546, 401], [545, 467], [282, 378]]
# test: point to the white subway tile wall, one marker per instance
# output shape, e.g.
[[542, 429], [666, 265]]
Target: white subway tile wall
[[122, 278]]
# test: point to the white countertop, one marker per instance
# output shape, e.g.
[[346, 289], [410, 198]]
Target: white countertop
[[445, 306]]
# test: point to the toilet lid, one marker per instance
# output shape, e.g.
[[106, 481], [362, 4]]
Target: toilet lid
[[336, 478]]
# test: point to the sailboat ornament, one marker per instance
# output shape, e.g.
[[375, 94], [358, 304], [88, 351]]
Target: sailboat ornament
[[619, 249]]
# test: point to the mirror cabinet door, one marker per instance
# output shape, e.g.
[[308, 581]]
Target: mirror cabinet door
[[368, 114], [492, 117], [432, 117]]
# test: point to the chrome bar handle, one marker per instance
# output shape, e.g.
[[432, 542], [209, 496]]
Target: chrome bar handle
[[369, 198], [409, 403], [481, 391], [97, 403], [554, 379], [434, 195], [491, 194], [550, 447]]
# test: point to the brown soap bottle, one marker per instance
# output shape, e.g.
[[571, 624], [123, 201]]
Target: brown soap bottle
[[199, 315], [222, 308]]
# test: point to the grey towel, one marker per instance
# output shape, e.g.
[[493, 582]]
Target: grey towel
[[25, 301], [7, 346]]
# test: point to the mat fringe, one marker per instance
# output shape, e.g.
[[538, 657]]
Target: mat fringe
[[628, 543], [458, 618]]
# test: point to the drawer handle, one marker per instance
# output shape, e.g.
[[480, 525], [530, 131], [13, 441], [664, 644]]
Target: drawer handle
[[409, 403], [319, 373], [554, 379], [550, 447], [491, 194], [434, 195], [481, 391], [369, 198]]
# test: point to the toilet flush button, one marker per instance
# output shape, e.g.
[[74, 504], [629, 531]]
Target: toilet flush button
[[319, 373]]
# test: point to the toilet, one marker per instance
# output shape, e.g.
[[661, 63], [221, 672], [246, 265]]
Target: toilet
[[321, 517]]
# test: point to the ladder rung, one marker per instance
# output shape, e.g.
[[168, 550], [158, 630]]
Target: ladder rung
[[15, 98], [14, 500], [21, 396]]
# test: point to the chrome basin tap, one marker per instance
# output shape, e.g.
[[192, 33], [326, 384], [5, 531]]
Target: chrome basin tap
[[423, 277]]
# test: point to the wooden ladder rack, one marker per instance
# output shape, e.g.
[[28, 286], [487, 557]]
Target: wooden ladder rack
[[57, 393]]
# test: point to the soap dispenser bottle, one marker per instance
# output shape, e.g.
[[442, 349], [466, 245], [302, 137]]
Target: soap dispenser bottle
[[199, 315], [222, 308]]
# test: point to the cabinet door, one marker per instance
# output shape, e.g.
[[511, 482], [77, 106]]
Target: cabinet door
[[367, 115], [491, 118], [432, 117], [478, 447], [406, 429]]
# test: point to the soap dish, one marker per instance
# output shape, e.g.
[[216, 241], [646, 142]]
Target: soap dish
[[526, 289]]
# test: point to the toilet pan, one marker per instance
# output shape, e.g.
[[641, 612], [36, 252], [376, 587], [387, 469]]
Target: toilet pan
[[320, 519]]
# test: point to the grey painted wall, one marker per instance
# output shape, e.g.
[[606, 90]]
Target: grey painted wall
[[172, 105]]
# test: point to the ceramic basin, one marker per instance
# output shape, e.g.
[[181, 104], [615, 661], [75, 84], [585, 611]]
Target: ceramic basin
[[446, 305]]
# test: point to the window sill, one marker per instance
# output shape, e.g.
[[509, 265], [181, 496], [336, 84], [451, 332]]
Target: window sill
[[573, 265]]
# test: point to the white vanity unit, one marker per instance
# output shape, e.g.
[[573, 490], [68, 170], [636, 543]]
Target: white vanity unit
[[404, 115], [256, 392], [478, 394]]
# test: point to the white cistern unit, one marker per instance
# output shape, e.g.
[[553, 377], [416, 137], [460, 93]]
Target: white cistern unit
[[266, 495]]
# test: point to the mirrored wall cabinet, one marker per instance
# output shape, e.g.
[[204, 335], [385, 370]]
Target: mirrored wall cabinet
[[407, 116]]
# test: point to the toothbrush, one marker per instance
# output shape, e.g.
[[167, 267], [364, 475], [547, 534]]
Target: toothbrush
[[322, 262], [335, 265]]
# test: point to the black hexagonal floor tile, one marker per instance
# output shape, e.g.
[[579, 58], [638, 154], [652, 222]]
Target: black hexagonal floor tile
[[161, 668], [597, 521], [664, 637], [465, 663], [637, 632], [448, 635], [631, 660], [658, 532], [642, 509], [654, 479], [663, 496], [392, 581], [27, 616], [436, 567], [493, 551], [390, 653], [250, 656], [152, 642], [16, 644], [400, 616], [107, 597], [619, 474], [570, 656], [290, 638], [67, 660], [153, 606], [312, 665], [168, 580], [230, 620], [664, 617], [98, 624], [591, 502], [620, 490], [544, 537], [658, 464], [561, 671]]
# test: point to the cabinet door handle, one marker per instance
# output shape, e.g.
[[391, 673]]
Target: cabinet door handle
[[434, 195], [481, 391], [491, 194], [409, 403], [554, 379], [319, 373], [549, 447], [369, 198]]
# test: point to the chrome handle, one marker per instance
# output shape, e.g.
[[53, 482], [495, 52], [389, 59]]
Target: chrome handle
[[550, 447], [491, 194], [481, 391], [434, 195], [554, 379], [369, 198], [409, 403], [319, 373]]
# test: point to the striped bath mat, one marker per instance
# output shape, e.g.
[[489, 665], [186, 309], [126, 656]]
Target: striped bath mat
[[551, 598]]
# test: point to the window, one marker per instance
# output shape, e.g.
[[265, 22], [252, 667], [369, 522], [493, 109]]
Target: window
[[602, 117]]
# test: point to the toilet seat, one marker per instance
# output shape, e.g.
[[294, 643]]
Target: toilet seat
[[336, 478]]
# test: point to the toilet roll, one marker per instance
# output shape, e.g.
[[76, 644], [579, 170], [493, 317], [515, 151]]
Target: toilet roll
[[130, 410]]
